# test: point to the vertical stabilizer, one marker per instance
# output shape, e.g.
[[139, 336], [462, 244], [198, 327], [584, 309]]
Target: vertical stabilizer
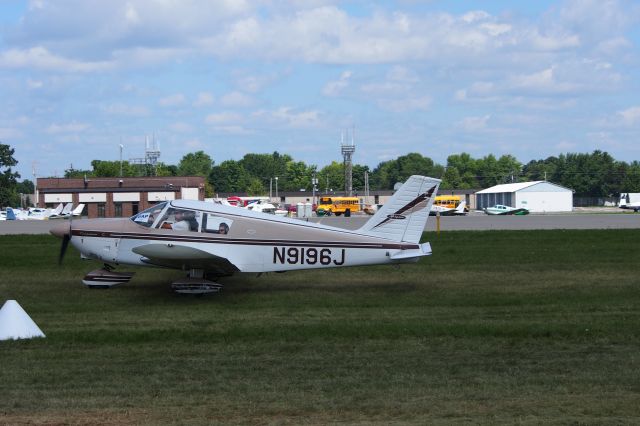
[[78, 210], [405, 215], [11, 215], [67, 209], [15, 323]]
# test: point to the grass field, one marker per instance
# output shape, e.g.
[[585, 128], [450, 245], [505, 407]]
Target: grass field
[[496, 327]]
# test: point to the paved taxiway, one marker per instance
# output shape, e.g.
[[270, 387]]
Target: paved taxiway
[[475, 221]]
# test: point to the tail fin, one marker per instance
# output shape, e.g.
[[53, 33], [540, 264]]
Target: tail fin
[[57, 211], [78, 210], [461, 208], [11, 214], [67, 209], [405, 215]]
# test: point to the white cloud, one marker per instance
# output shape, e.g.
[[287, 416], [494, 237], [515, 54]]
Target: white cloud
[[474, 124], [172, 101], [8, 133], [34, 84], [335, 87], [223, 118], [203, 99], [181, 127], [405, 104], [291, 118], [194, 144], [40, 58], [72, 127], [127, 110], [630, 116], [236, 99]]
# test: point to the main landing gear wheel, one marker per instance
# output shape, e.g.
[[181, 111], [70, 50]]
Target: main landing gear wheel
[[195, 284]]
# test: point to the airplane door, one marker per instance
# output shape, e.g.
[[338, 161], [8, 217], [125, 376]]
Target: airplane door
[[105, 249], [110, 249]]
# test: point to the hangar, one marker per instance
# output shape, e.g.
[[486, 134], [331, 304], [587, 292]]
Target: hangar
[[537, 197], [117, 197]]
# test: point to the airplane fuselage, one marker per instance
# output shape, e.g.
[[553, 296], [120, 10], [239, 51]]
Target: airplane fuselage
[[252, 245]]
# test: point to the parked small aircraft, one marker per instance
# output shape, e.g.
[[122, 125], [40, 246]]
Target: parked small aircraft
[[213, 240], [500, 209], [448, 211], [630, 201]]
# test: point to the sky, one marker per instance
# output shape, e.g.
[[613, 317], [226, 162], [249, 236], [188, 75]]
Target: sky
[[229, 77]]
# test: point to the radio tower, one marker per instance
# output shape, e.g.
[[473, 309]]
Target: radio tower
[[347, 151]]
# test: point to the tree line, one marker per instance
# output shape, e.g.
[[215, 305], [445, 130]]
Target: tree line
[[595, 174]]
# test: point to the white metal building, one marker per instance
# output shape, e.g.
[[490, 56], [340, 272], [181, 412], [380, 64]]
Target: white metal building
[[537, 197]]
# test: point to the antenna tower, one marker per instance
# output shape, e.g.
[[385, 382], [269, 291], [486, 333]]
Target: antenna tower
[[347, 151], [151, 155]]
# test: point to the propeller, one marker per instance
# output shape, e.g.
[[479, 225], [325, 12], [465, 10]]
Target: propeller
[[63, 248], [62, 230]]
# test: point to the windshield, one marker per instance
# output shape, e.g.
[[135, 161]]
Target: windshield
[[148, 216]]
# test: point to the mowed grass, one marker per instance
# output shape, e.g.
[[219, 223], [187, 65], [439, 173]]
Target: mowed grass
[[494, 328]]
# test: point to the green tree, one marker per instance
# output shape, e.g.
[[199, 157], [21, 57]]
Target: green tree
[[630, 181], [467, 169], [331, 177], [388, 173], [255, 187], [25, 187], [266, 167], [8, 178], [229, 176], [195, 164]]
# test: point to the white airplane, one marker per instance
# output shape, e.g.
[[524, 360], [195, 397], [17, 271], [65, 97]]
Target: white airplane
[[630, 201], [65, 213], [213, 240], [33, 213], [265, 207], [448, 211], [78, 210]]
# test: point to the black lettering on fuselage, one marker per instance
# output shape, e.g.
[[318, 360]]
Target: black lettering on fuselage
[[308, 255], [278, 256]]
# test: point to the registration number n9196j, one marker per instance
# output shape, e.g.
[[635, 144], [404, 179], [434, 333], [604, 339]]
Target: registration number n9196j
[[308, 256]]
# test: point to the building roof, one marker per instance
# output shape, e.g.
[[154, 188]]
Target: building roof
[[515, 187]]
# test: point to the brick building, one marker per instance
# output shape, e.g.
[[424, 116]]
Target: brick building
[[117, 197]]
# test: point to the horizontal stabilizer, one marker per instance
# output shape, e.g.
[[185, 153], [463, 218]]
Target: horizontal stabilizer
[[424, 250]]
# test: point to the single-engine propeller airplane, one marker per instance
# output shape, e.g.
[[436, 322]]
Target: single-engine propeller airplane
[[213, 240]]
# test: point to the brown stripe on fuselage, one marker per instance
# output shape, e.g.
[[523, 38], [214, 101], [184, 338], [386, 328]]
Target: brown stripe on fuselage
[[241, 241]]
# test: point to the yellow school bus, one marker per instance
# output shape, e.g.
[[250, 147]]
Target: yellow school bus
[[339, 205], [449, 201]]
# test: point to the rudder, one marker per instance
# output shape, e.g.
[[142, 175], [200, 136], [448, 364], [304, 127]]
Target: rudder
[[405, 215]]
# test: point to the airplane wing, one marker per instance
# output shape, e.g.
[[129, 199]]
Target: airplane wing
[[184, 257]]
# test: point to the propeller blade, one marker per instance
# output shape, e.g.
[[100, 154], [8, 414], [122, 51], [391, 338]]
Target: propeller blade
[[63, 248]]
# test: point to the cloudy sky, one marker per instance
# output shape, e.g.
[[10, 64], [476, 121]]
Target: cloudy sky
[[532, 79]]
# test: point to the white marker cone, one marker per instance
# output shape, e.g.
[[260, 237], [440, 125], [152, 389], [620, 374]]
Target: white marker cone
[[15, 323]]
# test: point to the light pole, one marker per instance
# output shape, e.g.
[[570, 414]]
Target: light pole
[[271, 190], [278, 198], [314, 182], [121, 146]]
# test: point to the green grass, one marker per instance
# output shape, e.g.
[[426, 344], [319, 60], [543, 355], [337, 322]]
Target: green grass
[[496, 327]]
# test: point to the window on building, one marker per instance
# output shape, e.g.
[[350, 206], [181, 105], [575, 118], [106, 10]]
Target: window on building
[[118, 209], [101, 210], [135, 208]]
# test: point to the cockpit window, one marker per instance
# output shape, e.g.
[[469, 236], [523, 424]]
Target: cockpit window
[[215, 224], [148, 216], [180, 220]]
